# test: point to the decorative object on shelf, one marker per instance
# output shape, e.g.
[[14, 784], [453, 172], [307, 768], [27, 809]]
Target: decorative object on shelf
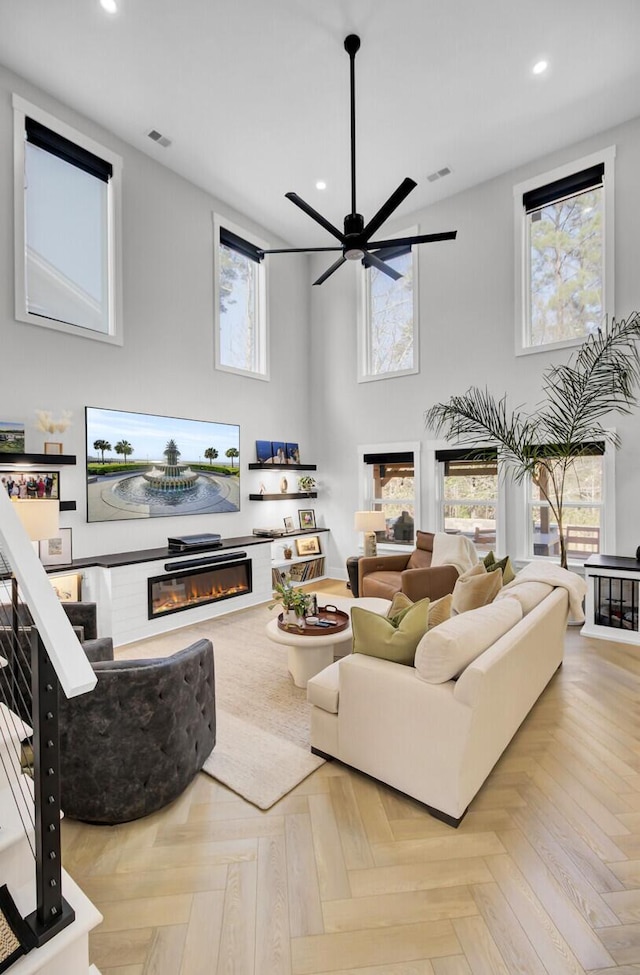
[[31, 485], [278, 452], [47, 423], [57, 549], [369, 522], [263, 488], [602, 376], [11, 437], [284, 485], [264, 454], [306, 484], [295, 602], [287, 551], [308, 546], [307, 517], [288, 523], [292, 452]]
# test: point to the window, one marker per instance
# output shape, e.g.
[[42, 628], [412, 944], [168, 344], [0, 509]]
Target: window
[[564, 238], [67, 190], [469, 493], [391, 485], [389, 318], [583, 510], [241, 317]]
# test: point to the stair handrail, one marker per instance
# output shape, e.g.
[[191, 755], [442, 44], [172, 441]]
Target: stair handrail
[[69, 660]]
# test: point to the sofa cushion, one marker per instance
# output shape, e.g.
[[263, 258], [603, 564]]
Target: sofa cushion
[[440, 610], [492, 564], [421, 556], [528, 594], [323, 690], [384, 585], [444, 652], [376, 635], [400, 604], [475, 588]]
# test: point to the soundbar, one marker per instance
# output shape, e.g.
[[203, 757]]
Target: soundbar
[[207, 560]]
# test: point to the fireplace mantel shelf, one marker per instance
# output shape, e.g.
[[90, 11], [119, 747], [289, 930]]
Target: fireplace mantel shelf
[[152, 554]]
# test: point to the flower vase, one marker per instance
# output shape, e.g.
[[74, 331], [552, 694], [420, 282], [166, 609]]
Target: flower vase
[[288, 617]]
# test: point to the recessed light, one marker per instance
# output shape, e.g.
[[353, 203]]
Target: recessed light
[[109, 5], [540, 67], [321, 185]]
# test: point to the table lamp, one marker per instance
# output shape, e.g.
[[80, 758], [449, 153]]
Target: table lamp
[[39, 517], [369, 522]]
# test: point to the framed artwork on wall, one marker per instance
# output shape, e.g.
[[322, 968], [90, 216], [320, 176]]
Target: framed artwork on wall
[[34, 485], [292, 452], [67, 588], [57, 550]]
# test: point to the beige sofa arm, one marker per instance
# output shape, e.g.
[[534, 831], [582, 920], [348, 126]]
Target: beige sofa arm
[[432, 582], [381, 563]]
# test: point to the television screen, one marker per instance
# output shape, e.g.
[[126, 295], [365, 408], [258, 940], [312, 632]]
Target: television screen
[[145, 466]]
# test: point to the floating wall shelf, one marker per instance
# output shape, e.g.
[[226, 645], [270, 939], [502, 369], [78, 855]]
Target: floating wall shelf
[[50, 459], [283, 497], [283, 467]]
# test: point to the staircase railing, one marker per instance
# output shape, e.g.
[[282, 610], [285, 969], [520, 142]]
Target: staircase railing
[[35, 669]]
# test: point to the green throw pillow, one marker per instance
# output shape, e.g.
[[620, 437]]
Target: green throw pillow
[[400, 604], [377, 636], [491, 564]]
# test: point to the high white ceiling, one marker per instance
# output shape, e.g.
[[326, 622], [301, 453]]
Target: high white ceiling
[[254, 94]]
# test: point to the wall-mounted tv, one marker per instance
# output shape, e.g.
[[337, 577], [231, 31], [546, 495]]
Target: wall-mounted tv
[[140, 465]]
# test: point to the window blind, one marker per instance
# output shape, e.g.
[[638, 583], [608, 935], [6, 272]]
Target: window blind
[[559, 189], [42, 137]]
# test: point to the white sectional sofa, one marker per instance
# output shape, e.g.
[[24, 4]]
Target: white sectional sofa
[[437, 742]]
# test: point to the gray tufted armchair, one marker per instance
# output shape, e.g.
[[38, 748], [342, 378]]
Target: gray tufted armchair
[[134, 743]]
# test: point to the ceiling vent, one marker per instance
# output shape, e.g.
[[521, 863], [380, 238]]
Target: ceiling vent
[[439, 173], [158, 137]]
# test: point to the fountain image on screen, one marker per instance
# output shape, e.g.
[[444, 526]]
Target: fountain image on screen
[[144, 466]]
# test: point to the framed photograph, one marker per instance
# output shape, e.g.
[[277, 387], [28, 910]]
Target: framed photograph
[[278, 452], [31, 484], [288, 524], [292, 452], [56, 551], [263, 452], [11, 437], [307, 517], [51, 447], [308, 546], [67, 588]]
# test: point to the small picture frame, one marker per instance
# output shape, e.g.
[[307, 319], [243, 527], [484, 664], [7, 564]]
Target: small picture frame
[[32, 485], [307, 517], [67, 588], [278, 452], [292, 451], [308, 546], [263, 452], [11, 437], [288, 523], [57, 550], [52, 447]]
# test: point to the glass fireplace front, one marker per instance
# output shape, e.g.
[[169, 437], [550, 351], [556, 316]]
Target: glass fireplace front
[[178, 591]]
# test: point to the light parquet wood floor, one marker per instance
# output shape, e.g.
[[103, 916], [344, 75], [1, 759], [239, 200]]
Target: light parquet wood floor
[[345, 876]]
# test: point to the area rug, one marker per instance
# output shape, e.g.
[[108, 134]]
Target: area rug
[[262, 719]]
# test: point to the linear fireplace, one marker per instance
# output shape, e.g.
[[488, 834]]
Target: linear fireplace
[[189, 584]]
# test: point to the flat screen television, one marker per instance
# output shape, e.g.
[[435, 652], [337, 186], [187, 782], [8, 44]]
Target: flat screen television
[[140, 465]]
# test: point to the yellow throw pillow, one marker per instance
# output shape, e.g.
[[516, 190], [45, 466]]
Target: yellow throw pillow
[[376, 635], [475, 588], [399, 606], [440, 610]]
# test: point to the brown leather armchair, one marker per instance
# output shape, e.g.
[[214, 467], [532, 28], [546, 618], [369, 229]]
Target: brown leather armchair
[[412, 574]]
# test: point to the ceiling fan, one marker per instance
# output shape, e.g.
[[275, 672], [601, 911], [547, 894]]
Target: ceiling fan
[[355, 241]]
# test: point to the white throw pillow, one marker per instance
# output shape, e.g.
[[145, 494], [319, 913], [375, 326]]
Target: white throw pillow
[[528, 594], [445, 651]]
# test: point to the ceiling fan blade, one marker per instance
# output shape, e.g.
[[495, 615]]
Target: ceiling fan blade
[[388, 253], [298, 250], [330, 270], [387, 208], [418, 239], [370, 260], [299, 202]]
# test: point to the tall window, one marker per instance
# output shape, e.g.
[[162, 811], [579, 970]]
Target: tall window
[[564, 225], [389, 316], [241, 319], [469, 496], [66, 227], [391, 486], [583, 510]]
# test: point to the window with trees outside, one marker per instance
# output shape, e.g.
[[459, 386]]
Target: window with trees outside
[[241, 306], [391, 486], [67, 228], [583, 510], [469, 494], [388, 321], [565, 228]]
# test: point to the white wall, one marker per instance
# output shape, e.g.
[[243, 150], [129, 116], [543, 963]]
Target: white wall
[[166, 363], [466, 338]]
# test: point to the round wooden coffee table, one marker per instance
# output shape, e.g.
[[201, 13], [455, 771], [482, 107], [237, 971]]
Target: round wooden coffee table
[[311, 648]]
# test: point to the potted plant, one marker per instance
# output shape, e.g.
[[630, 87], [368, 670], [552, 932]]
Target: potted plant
[[295, 602], [306, 484], [601, 377]]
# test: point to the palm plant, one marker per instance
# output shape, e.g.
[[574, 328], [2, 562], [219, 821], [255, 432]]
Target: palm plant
[[600, 378], [101, 445]]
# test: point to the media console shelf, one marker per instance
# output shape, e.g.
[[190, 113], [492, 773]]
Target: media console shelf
[[612, 599]]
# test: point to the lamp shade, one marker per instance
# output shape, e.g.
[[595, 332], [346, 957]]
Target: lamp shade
[[369, 521], [39, 517]]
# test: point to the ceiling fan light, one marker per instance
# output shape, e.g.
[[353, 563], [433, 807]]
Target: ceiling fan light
[[354, 254]]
